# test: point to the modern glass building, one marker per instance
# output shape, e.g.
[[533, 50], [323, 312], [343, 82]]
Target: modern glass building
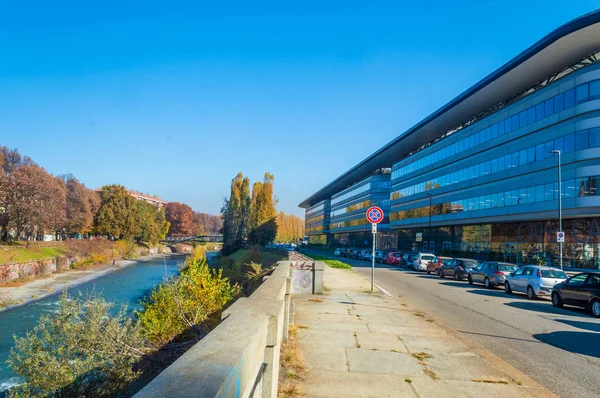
[[480, 175], [316, 222], [348, 223]]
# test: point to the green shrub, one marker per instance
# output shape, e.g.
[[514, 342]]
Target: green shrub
[[126, 248], [84, 350], [182, 306]]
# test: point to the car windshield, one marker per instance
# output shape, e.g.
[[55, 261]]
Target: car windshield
[[428, 258], [553, 273], [507, 268], [469, 264]]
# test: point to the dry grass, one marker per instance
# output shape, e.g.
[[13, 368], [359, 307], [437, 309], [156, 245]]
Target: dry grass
[[408, 380], [429, 320], [293, 365], [418, 314], [316, 300], [421, 356], [289, 389], [4, 301], [431, 374], [491, 380]]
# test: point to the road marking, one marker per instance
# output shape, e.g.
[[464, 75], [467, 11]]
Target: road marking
[[382, 290]]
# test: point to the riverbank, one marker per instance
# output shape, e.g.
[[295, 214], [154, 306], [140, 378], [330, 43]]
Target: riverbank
[[39, 289]]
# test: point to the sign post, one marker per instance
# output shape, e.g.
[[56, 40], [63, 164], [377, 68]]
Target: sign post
[[374, 216]]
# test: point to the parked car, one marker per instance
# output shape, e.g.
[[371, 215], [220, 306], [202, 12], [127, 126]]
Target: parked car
[[408, 260], [458, 268], [421, 260], [379, 256], [363, 254], [491, 273], [581, 290], [394, 258], [337, 252], [368, 256], [536, 281], [355, 254], [433, 266]]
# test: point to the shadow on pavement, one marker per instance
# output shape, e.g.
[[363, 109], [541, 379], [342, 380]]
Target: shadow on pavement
[[490, 292], [455, 284], [544, 306], [584, 343], [594, 327]]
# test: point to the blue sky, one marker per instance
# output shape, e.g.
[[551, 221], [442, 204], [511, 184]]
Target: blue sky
[[175, 99]]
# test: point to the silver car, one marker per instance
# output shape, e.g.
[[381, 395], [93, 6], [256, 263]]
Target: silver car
[[491, 273], [536, 281]]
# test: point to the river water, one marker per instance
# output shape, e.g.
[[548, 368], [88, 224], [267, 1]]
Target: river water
[[126, 286]]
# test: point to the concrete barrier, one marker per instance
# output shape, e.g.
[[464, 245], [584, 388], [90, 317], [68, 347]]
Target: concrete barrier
[[240, 358]]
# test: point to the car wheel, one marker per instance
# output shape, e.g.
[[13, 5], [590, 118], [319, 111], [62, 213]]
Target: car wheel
[[556, 300], [456, 277], [470, 280], [530, 293], [507, 288], [596, 308], [487, 284]]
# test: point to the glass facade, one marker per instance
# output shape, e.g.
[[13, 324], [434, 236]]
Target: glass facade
[[515, 242], [582, 93], [588, 138], [316, 219], [348, 212], [579, 187]]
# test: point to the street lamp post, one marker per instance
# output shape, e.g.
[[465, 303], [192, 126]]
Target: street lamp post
[[560, 244], [429, 228]]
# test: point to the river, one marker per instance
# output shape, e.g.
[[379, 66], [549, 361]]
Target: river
[[126, 286]]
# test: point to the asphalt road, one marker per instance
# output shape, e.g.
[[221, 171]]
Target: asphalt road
[[558, 348]]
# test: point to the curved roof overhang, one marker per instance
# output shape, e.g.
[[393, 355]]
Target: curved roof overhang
[[557, 51]]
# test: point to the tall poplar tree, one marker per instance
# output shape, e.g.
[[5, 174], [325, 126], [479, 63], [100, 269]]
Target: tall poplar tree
[[235, 214], [263, 223]]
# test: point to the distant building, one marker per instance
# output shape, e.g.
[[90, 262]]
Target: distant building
[[155, 200]]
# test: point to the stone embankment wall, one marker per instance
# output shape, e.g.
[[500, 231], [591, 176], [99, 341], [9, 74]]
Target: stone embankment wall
[[30, 269], [36, 268]]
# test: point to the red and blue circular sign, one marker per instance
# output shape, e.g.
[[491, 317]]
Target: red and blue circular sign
[[374, 215]]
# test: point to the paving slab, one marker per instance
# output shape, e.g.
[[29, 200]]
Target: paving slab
[[382, 362], [425, 388], [331, 384], [380, 342], [325, 358]]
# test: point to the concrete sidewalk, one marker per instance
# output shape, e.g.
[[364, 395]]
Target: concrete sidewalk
[[357, 344]]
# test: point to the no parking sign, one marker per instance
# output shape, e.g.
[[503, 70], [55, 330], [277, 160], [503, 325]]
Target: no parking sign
[[560, 237], [374, 215]]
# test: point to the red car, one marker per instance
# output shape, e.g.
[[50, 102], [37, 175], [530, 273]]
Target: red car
[[393, 258]]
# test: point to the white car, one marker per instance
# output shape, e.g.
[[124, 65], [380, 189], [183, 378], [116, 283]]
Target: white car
[[535, 281], [421, 260]]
